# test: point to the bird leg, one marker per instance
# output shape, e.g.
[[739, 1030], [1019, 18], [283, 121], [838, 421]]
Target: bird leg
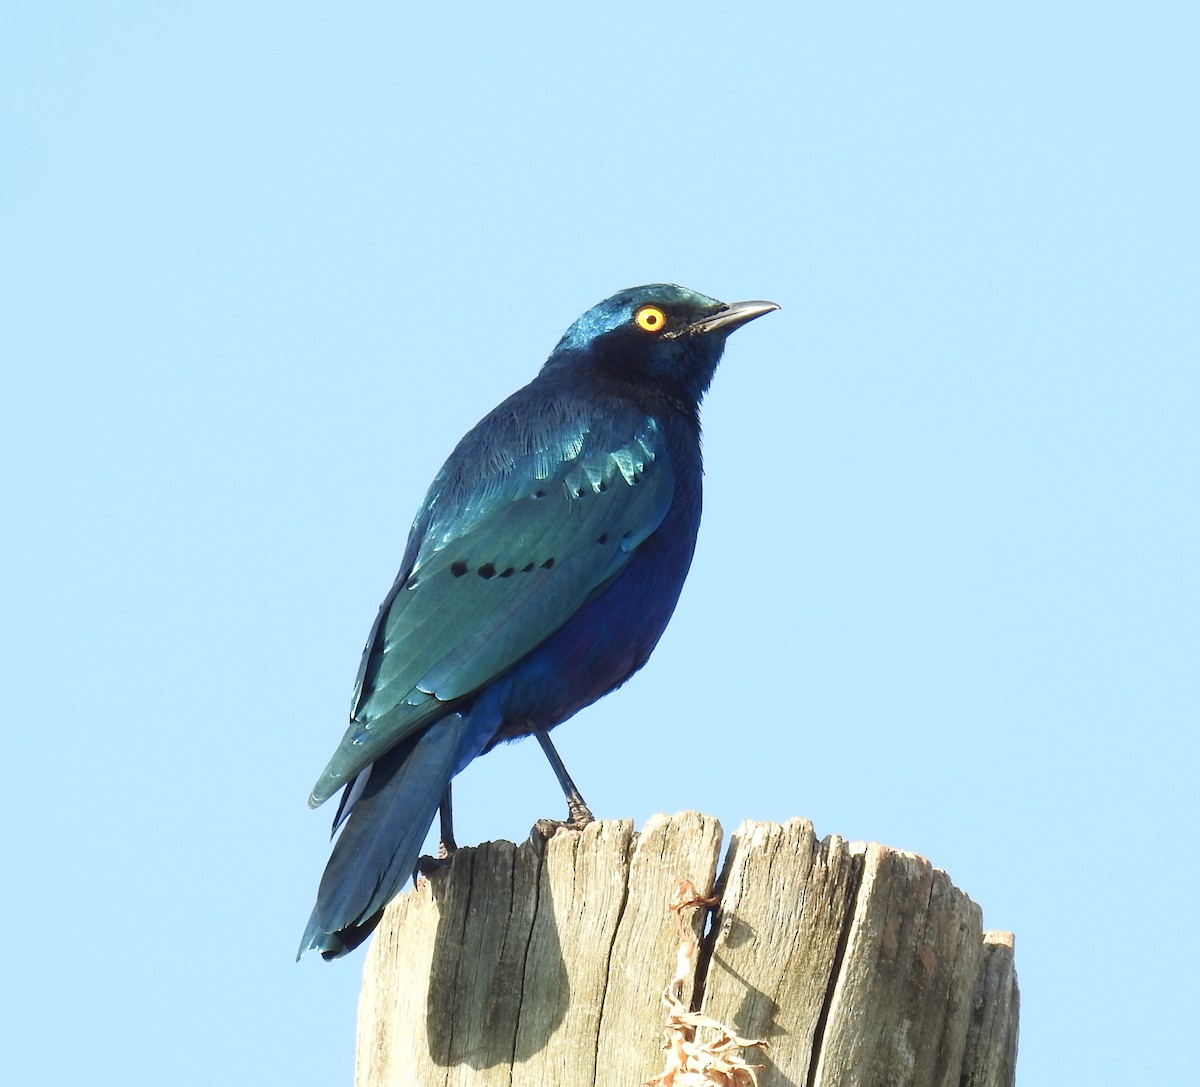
[[578, 813], [446, 843]]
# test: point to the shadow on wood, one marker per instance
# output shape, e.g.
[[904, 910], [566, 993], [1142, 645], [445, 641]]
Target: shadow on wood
[[858, 964]]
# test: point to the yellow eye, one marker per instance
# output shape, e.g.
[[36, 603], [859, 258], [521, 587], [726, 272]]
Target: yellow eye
[[650, 319]]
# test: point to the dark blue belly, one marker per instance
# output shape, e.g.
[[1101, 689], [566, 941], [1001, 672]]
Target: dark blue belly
[[602, 645]]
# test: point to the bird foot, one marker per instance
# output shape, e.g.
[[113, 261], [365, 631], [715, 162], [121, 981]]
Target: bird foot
[[579, 816], [426, 865]]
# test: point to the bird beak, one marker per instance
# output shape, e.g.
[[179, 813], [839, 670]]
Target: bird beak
[[730, 317]]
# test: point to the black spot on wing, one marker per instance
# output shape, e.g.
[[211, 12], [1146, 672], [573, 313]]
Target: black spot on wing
[[488, 570]]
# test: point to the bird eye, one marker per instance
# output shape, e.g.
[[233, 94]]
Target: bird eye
[[650, 319]]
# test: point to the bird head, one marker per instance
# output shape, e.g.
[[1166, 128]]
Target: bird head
[[660, 332]]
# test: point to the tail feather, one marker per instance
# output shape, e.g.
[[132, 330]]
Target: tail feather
[[381, 839], [350, 796]]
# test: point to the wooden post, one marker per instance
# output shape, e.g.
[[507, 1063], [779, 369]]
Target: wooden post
[[524, 965]]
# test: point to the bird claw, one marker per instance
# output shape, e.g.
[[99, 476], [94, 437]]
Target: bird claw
[[426, 865], [579, 817], [545, 829]]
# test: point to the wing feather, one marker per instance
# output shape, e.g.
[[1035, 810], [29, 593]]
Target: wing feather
[[499, 565]]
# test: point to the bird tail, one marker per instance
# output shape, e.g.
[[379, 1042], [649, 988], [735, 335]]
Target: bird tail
[[381, 840]]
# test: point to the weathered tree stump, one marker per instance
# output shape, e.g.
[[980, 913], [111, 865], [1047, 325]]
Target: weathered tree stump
[[857, 964]]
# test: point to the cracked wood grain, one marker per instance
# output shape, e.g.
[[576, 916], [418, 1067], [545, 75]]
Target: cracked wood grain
[[520, 965]]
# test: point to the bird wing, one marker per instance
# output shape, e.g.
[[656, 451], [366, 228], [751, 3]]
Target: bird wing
[[503, 557]]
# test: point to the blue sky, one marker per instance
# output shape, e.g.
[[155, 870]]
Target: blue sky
[[264, 264]]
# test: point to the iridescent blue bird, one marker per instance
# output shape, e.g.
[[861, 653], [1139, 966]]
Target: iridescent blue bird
[[540, 572]]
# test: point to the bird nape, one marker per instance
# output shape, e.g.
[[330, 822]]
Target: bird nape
[[540, 572]]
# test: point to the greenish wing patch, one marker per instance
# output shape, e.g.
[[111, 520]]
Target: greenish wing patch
[[480, 597]]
